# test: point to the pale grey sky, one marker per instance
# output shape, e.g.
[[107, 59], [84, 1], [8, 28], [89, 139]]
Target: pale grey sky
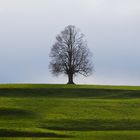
[[28, 29]]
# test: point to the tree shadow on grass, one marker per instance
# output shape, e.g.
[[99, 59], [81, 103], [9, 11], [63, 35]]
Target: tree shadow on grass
[[70, 93], [16, 133], [91, 125]]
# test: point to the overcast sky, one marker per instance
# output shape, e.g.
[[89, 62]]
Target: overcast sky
[[28, 29]]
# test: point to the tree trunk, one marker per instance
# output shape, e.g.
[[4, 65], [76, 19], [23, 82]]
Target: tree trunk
[[70, 79]]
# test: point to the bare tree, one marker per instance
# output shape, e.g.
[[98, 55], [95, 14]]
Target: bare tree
[[70, 54]]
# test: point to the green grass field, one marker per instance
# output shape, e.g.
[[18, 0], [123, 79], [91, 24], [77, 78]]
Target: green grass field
[[44, 112]]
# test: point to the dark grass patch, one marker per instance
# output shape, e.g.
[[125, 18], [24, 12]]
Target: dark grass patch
[[91, 125], [16, 133], [70, 93], [15, 113]]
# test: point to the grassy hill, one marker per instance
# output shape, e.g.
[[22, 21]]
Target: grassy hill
[[88, 112]]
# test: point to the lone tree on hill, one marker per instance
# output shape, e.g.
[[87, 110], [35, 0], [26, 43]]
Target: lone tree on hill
[[70, 54]]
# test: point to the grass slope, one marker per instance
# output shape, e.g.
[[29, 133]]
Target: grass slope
[[69, 112]]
